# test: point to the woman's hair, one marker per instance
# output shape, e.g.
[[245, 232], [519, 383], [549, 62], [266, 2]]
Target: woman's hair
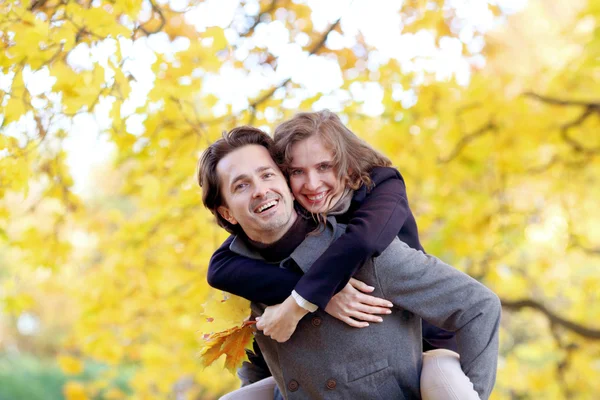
[[353, 158]]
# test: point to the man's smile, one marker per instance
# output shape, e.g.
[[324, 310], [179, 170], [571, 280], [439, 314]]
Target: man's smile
[[266, 206]]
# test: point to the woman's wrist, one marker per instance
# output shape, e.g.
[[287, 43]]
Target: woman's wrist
[[294, 309], [302, 302]]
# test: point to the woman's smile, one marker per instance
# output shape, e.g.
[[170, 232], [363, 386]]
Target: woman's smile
[[313, 178]]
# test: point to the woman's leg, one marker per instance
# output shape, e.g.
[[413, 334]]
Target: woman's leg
[[261, 390], [442, 378]]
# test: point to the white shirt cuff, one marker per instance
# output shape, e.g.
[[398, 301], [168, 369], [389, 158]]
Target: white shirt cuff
[[307, 305]]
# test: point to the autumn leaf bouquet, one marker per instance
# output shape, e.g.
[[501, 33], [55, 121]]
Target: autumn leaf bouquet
[[226, 331]]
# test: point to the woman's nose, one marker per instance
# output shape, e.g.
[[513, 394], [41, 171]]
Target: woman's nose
[[312, 182]]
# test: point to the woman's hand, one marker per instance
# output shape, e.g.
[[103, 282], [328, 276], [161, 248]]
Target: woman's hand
[[280, 321], [352, 306]]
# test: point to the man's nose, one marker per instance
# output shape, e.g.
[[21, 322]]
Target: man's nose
[[260, 190]]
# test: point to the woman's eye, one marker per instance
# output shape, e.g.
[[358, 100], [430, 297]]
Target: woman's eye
[[295, 172], [240, 186], [324, 167]]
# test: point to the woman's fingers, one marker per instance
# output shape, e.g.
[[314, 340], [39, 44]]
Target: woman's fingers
[[360, 285], [354, 323], [360, 316], [365, 298], [373, 301], [373, 310]]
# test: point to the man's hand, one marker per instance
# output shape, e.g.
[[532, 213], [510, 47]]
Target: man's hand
[[280, 321], [356, 308]]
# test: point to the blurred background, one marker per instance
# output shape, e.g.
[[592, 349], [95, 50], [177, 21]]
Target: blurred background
[[490, 110]]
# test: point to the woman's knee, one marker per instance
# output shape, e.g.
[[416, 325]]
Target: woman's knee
[[261, 390], [443, 378]]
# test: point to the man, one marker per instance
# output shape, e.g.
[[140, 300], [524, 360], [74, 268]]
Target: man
[[249, 196]]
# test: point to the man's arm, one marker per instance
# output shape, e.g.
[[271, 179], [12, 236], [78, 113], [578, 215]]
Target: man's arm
[[449, 299], [251, 279]]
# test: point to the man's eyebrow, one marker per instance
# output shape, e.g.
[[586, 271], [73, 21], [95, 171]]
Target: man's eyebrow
[[246, 176], [264, 168], [239, 178]]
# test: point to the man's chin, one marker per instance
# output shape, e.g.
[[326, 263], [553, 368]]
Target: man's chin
[[270, 222]]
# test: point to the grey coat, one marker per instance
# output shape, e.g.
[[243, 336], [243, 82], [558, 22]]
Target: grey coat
[[327, 359]]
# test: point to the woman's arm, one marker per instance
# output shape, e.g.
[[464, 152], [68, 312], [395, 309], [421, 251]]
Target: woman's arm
[[251, 279], [269, 284], [370, 230]]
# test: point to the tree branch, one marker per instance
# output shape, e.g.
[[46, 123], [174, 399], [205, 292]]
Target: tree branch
[[561, 102], [36, 4], [555, 160], [563, 365], [465, 140], [321, 42], [574, 242], [590, 108], [516, 305], [270, 93], [161, 16], [564, 131], [257, 19]]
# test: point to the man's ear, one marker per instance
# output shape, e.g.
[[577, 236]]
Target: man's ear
[[226, 214]]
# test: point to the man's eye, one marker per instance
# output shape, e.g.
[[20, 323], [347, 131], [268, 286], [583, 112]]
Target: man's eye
[[240, 186], [268, 175], [324, 167], [295, 172]]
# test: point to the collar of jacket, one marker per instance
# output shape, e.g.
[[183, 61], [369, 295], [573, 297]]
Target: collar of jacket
[[306, 253]]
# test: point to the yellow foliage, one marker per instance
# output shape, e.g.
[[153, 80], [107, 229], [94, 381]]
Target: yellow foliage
[[114, 394], [501, 174], [130, 8], [70, 365], [73, 390], [97, 20]]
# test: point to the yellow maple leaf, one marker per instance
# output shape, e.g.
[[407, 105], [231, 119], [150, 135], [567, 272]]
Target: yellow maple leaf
[[223, 311], [219, 41], [14, 110], [232, 343]]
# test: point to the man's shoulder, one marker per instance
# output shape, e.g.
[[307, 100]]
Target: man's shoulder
[[316, 243], [240, 246], [397, 253]]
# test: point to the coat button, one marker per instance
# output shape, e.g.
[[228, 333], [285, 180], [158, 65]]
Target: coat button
[[316, 321], [293, 385], [331, 384]]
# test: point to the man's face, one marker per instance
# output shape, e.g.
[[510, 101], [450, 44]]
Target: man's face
[[255, 194]]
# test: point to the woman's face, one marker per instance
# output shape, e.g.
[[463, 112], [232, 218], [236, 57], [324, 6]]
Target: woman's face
[[313, 178]]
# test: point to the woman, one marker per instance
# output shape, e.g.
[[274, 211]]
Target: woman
[[332, 171]]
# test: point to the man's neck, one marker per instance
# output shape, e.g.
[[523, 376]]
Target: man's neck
[[287, 243]]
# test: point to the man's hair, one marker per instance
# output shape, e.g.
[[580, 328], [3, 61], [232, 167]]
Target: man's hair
[[353, 158], [207, 176]]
